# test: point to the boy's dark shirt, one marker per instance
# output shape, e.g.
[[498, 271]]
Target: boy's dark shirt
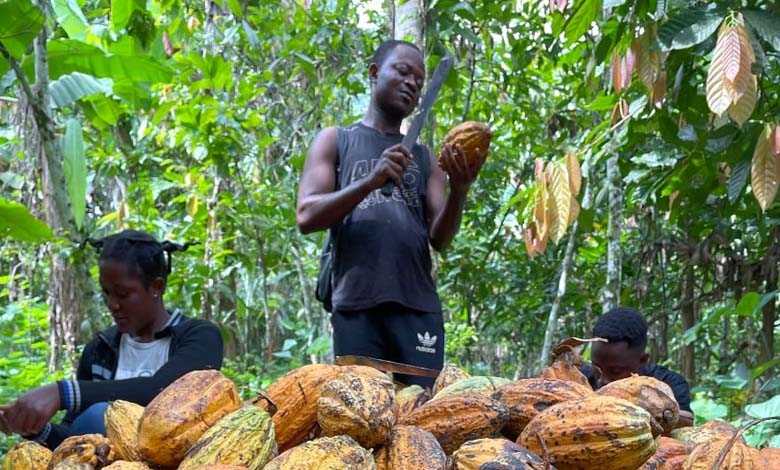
[[680, 388]]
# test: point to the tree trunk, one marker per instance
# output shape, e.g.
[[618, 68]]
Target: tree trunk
[[769, 314], [688, 318], [552, 320], [409, 21], [68, 279], [610, 297]]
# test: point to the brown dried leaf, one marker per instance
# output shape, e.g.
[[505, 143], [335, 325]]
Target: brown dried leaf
[[743, 108], [559, 204], [719, 87], [574, 210], [744, 87], [538, 169], [622, 68], [764, 170], [541, 220], [731, 49], [775, 140], [528, 235], [648, 60], [658, 93], [575, 173]]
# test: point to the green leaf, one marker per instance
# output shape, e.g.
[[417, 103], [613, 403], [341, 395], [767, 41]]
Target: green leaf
[[587, 12], [122, 10], [688, 28], [20, 22], [707, 409], [761, 368], [75, 169], [68, 56], [72, 87], [766, 409], [17, 223], [748, 303], [71, 18], [738, 180], [767, 26]]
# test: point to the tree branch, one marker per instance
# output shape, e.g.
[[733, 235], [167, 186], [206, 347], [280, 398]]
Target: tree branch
[[42, 118]]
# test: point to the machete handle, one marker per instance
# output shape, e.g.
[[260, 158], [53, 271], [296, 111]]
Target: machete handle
[[387, 189]]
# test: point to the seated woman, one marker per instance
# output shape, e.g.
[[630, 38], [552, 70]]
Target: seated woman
[[147, 349]]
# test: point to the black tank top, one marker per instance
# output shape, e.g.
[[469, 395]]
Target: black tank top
[[381, 247]]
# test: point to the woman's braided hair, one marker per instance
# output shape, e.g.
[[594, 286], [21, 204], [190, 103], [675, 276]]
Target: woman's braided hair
[[144, 256]]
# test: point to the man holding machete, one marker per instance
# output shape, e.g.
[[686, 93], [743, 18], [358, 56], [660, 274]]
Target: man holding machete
[[384, 299]]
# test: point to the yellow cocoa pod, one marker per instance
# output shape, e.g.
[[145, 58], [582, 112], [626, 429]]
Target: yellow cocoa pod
[[412, 448], [92, 449], [244, 437], [126, 465], [122, 419], [325, 453], [176, 418], [470, 135], [651, 394], [27, 455], [360, 406], [594, 432]]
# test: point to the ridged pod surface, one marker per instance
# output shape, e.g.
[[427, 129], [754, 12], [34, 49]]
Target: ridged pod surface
[[705, 455], [651, 394], [27, 455], [410, 398], [411, 448], [565, 370], [767, 458], [712, 429], [458, 419], [495, 454], [92, 449], [470, 135], [295, 395], [73, 464], [594, 432], [176, 418], [526, 398], [244, 438], [126, 465], [360, 406], [477, 384], [670, 455], [449, 374], [365, 370], [122, 419], [219, 467], [325, 453]]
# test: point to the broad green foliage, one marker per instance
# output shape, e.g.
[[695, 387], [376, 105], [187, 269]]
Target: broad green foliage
[[18, 224], [20, 22]]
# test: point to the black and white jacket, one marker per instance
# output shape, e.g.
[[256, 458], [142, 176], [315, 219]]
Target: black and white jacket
[[195, 344]]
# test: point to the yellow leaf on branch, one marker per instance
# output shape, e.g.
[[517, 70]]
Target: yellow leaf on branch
[[559, 203], [744, 85], [575, 173], [719, 87]]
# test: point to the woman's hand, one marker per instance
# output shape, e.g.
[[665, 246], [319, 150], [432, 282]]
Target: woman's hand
[[30, 412]]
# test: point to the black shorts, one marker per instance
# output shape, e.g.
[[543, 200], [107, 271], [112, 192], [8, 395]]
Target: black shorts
[[395, 333]]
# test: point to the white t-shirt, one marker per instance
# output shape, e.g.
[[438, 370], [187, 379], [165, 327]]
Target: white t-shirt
[[138, 359]]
